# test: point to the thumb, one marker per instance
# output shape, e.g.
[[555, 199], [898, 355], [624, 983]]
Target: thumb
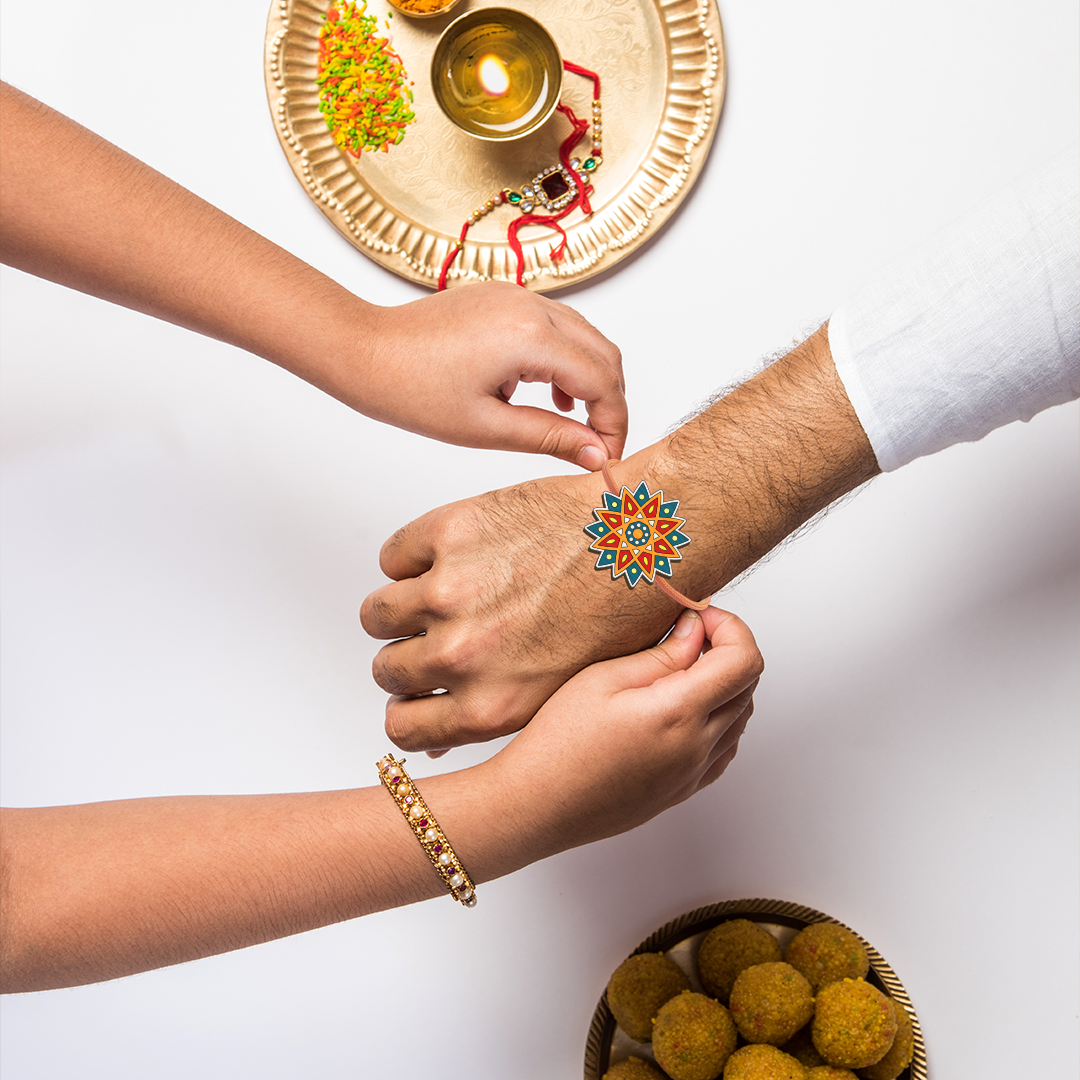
[[530, 430], [681, 674], [677, 652]]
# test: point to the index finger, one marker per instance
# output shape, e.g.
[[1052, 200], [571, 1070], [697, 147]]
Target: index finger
[[594, 377]]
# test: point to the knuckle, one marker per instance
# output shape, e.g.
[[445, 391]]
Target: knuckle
[[479, 719], [391, 677], [533, 328], [442, 594], [611, 374], [390, 547], [455, 527], [458, 650], [750, 662], [615, 359]]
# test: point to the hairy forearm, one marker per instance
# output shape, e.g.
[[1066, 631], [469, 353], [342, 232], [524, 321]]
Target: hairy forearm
[[103, 890], [79, 211], [758, 463], [508, 612]]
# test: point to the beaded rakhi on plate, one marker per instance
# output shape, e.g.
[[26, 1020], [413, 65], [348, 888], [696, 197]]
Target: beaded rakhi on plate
[[558, 189]]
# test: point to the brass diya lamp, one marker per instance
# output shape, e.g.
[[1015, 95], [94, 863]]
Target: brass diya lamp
[[496, 74]]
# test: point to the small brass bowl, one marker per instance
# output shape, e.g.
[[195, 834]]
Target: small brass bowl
[[443, 8], [522, 55]]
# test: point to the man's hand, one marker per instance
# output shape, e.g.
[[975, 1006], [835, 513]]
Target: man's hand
[[496, 600]]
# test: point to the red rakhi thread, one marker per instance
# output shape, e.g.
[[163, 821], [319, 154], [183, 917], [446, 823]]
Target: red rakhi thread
[[658, 580], [583, 189]]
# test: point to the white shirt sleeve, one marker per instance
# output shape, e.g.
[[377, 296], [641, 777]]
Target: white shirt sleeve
[[975, 329]]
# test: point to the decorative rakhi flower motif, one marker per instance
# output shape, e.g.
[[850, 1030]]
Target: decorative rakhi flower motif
[[636, 534]]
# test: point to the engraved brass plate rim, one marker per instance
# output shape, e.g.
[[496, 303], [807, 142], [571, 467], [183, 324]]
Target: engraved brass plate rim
[[648, 176], [773, 915]]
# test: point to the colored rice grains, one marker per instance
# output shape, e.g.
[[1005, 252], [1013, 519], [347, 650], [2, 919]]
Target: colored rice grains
[[827, 952], [364, 93], [729, 949], [637, 989], [693, 1037], [854, 1024], [770, 1002]]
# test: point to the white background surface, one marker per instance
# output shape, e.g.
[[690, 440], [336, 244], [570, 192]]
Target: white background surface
[[185, 550]]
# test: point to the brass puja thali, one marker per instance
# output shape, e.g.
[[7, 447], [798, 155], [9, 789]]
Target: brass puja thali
[[662, 69], [679, 941]]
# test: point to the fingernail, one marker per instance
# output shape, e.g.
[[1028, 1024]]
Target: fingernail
[[685, 624], [591, 458]]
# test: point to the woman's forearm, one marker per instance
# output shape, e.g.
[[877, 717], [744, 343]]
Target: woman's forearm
[[102, 890], [98, 891], [79, 211]]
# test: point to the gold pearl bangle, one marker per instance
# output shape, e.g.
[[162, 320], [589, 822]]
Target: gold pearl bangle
[[422, 822]]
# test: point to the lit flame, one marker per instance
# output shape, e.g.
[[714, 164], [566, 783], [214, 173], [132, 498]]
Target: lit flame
[[493, 75]]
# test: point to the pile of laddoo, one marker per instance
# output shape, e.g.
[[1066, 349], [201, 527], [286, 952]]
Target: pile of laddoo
[[806, 1013]]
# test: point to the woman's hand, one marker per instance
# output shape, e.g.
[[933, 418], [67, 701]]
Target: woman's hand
[[447, 365], [444, 366], [628, 738]]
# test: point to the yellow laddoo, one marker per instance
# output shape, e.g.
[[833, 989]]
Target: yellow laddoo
[[730, 948], [826, 953], [801, 1047], [693, 1037], [637, 989], [633, 1069], [830, 1072], [759, 1061], [899, 1055], [770, 1002], [854, 1024]]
